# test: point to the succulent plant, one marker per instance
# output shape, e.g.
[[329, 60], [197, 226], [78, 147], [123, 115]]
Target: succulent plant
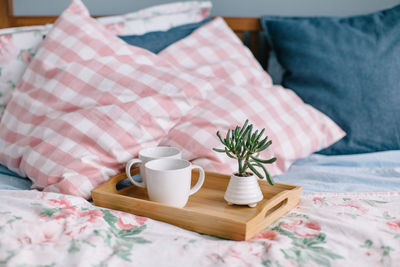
[[244, 145]]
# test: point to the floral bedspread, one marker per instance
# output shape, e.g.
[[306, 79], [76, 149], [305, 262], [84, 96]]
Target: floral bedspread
[[48, 229]]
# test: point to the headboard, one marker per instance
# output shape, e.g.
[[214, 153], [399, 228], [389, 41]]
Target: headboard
[[247, 29]]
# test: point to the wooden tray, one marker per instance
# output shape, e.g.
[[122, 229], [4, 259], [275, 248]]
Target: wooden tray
[[206, 211]]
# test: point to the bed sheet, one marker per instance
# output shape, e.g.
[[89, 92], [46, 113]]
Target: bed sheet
[[370, 172], [325, 229]]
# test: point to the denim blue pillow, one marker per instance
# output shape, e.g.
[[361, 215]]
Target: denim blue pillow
[[348, 68], [158, 40]]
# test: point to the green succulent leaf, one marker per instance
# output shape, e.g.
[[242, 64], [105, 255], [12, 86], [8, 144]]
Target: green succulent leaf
[[260, 134], [265, 161], [219, 150], [262, 142], [269, 179], [264, 146], [243, 128], [237, 129], [254, 136], [220, 138], [229, 154], [253, 169]]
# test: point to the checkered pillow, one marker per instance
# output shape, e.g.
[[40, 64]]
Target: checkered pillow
[[214, 50], [87, 103], [19, 45], [296, 129]]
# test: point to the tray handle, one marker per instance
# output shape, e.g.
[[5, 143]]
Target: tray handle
[[275, 206]]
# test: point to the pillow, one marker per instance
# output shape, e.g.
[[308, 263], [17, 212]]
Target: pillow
[[348, 68], [159, 40], [87, 103], [19, 45], [158, 18], [214, 51], [242, 90]]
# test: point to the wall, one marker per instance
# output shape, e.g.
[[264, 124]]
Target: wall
[[250, 8]]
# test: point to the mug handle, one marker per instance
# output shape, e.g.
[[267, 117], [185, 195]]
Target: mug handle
[[128, 172], [199, 182]]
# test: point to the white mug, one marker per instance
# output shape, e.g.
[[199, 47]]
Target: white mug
[[168, 181], [148, 154]]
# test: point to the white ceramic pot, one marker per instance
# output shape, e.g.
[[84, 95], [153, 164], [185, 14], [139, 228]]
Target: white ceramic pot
[[243, 191]]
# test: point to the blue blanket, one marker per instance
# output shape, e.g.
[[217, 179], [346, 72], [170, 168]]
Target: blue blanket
[[370, 172]]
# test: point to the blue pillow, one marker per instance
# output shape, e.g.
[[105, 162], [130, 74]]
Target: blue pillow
[[158, 40], [348, 68]]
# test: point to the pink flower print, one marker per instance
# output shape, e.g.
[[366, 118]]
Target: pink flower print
[[124, 226], [140, 220], [313, 225], [66, 208], [269, 234], [303, 230], [353, 205], [116, 28], [25, 56], [394, 225], [8, 51], [61, 203], [291, 226], [318, 200], [92, 214]]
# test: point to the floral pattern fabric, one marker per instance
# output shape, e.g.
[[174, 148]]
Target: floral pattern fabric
[[19, 45], [49, 229]]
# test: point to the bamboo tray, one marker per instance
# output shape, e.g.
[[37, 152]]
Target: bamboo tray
[[206, 211]]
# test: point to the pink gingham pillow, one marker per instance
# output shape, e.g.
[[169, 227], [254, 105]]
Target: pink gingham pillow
[[19, 45], [214, 51], [87, 103], [242, 91]]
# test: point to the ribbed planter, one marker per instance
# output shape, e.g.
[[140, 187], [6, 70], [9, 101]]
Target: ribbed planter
[[243, 191]]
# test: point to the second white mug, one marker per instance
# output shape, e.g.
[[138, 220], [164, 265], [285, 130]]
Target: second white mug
[[148, 154], [169, 181]]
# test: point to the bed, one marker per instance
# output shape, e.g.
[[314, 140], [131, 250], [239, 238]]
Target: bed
[[349, 212]]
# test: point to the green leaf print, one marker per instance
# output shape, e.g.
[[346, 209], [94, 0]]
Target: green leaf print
[[109, 218], [387, 216], [121, 241], [73, 247], [367, 244], [373, 203], [8, 257], [12, 84], [45, 211], [123, 254], [138, 240], [130, 232], [13, 219], [385, 254], [308, 249]]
